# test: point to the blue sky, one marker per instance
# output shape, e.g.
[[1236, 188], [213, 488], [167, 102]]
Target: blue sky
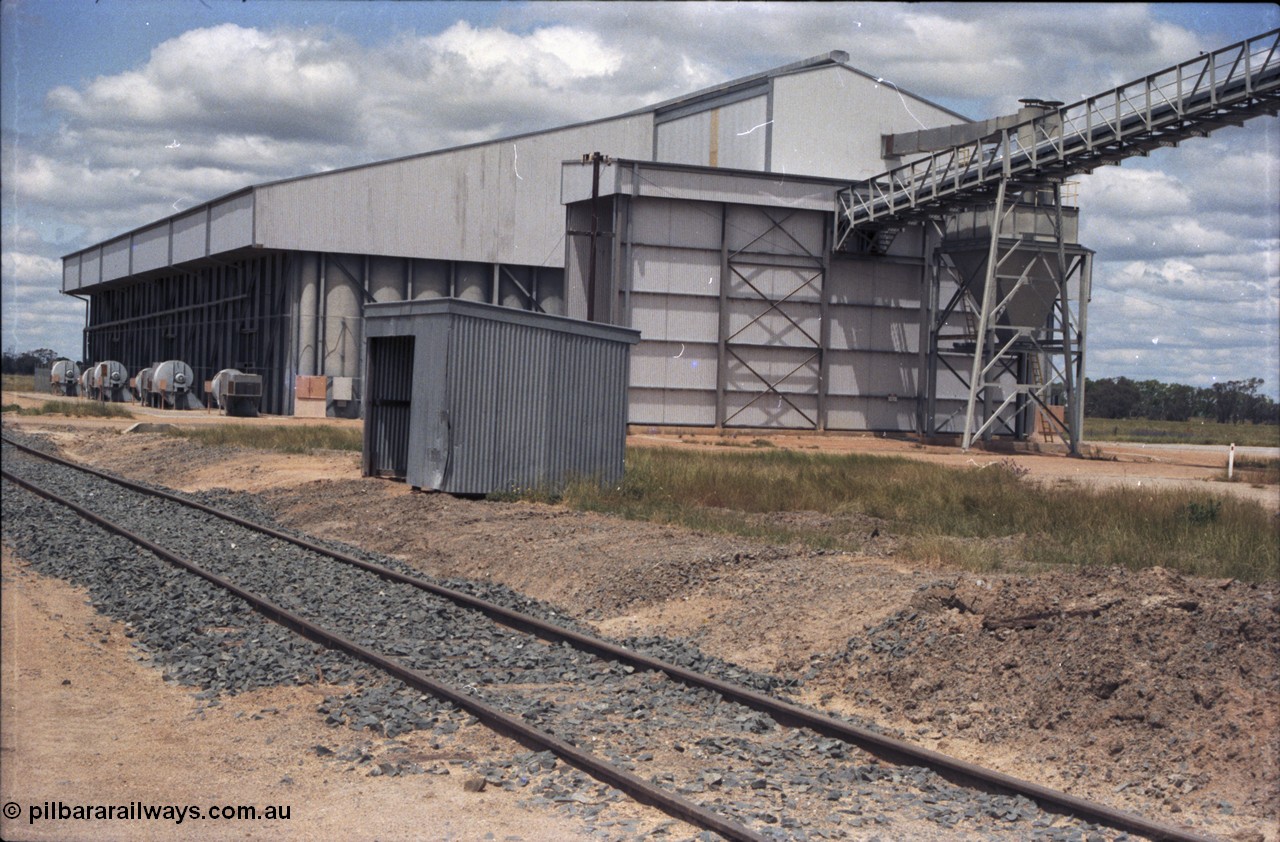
[[114, 114]]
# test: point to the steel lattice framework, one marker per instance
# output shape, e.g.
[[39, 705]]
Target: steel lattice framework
[[1217, 89], [1191, 99], [807, 272]]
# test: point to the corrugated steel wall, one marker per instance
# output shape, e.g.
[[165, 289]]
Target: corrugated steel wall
[[767, 271], [734, 136], [491, 203], [218, 228], [746, 318], [828, 122], [504, 399], [229, 315]]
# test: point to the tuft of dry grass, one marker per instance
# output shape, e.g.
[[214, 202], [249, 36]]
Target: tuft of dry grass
[[285, 438], [977, 519], [18, 382], [76, 409]]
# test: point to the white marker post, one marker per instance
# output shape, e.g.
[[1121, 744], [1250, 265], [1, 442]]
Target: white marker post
[[1231, 461]]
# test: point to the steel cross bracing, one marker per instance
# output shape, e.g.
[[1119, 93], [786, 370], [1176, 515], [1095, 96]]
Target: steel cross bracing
[[1009, 361], [1019, 351], [1191, 99], [809, 272], [1018, 310]]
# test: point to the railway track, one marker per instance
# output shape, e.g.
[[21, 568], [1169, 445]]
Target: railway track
[[714, 753]]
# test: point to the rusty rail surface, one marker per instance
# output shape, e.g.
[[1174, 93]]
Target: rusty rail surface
[[504, 723], [784, 713]]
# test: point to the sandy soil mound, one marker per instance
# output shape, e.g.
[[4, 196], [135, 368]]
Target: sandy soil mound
[[1146, 690]]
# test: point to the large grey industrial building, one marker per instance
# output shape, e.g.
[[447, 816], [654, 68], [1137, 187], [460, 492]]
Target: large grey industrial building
[[779, 272]]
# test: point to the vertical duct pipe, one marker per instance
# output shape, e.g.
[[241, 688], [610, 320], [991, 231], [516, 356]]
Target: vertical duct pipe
[[595, 233], [308, 272]]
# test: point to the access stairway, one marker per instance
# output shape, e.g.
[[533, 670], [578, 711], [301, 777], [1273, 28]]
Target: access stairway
[[1030, 160]]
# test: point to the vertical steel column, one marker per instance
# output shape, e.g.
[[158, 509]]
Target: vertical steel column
[[322, 312], [628, 282], [294, 353], [361, 342], [1086, 293], [595, 233], [983, 339], [1068, 415], [927, 365], [722, 330], [824, 330]]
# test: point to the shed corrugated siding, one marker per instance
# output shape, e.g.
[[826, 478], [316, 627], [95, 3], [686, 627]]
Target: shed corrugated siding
[[151, 248], [71, 272], [494, 203], [773, 318], [223, 226], [705, 185], [531, 407], [828, 122], [740, 139], [91, 267], [231, 224], [189, 236], [115, 259]]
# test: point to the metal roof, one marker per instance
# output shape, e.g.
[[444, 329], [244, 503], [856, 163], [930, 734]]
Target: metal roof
[[705, 97]]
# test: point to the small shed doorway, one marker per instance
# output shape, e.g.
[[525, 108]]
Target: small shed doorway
[[386, 431]]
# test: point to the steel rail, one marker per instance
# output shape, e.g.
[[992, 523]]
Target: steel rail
[[783, 712], [500, 721]]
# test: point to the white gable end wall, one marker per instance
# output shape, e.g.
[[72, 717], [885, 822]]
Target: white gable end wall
[[828, 122], [734, 136]]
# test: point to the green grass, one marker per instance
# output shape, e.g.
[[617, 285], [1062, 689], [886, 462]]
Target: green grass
[[1195, 431], [986, 519], [284, 438], [77, 409]]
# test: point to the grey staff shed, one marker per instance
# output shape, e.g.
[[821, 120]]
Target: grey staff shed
[[472, 398]]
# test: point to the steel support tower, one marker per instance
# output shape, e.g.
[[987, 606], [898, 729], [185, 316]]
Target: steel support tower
[[1028, 336]]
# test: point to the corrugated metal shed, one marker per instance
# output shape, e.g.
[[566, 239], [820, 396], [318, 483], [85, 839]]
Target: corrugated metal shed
[[472, 398]]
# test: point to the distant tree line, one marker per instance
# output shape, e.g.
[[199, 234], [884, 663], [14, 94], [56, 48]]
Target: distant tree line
[[1233, 402], [27, 362]]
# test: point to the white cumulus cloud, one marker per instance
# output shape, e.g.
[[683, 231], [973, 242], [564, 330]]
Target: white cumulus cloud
[[1186, 235]]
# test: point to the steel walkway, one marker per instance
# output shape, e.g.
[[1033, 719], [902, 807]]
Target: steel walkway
[[1216, 89]]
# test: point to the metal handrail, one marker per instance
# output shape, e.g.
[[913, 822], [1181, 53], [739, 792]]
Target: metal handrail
[[1218, 88]]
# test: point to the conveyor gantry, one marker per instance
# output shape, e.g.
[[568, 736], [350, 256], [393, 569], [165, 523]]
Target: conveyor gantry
[[1012, 343], [1221, 88]]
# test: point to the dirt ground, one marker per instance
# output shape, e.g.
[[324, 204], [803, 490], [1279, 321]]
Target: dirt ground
[[84, 722], [1149, 691]]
